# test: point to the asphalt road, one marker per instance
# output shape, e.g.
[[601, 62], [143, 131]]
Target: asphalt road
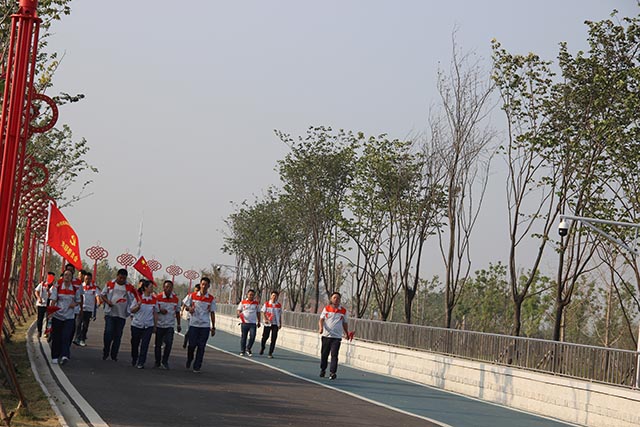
[[242, 391]]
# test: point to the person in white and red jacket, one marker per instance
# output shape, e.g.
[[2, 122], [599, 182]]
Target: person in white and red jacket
[[143, 324], [65, 296], [88, 312], [249, 315], [333, 322], [272, 311], [117, 296], [168, 317], [202, 309]]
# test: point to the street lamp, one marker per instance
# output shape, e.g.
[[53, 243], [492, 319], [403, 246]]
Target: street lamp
[[235, 269], [563, 229]]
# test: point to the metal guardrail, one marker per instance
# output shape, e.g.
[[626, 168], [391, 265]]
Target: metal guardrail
[[598, 364]]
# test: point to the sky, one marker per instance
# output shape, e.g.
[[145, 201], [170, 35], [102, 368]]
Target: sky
[[182, 99]]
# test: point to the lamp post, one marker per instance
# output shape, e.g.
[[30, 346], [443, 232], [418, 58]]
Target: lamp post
[[96, 253], [239, 277], [563, 229], [174, 271]]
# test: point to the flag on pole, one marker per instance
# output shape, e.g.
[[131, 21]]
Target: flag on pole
[[144, 269], [62, 238]]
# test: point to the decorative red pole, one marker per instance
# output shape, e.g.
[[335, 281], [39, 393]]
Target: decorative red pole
[[126, 260], [32, 204], [154, 265], [96, 253], [191, 275], [15, 127], [174, 271], [32, 262], [25, 260], [43, 269]]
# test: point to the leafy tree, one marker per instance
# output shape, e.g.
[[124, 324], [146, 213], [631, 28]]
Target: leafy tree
[[524, 84], [315, 175], [589, 118]]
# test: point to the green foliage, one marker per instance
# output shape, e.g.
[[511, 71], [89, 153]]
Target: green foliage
[[64, 158], [484, 304]]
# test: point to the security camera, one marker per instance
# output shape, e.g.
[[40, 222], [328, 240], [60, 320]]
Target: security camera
[[218, 267], [563, 228]]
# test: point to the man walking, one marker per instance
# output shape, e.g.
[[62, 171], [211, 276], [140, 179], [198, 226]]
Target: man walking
[[117, 296], [202, 308], [65, 296], [42, 300], [272, 310], [249, 314], [90, 293], [333, 322], [168, 315]]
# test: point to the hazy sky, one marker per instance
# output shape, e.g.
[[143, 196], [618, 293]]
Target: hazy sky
[[182, 98]]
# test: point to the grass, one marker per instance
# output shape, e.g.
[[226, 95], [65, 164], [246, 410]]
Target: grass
[[38, 412]]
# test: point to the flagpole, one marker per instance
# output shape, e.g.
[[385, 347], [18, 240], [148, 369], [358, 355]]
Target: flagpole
[[139, 245]]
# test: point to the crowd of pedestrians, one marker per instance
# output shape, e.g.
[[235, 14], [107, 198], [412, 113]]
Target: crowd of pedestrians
[[69, 305]]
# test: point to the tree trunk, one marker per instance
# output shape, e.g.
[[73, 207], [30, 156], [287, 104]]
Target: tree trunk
[[557, 327], [607, 323], [409, 295], [517, 314]]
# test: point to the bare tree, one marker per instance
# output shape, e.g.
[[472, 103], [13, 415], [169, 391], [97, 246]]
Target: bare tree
[[462, 141]]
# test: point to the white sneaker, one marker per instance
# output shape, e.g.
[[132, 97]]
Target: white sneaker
[[82, 344], [64, 360], [54, 361]]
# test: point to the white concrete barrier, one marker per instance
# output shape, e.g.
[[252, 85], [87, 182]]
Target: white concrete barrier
[[571, 400]]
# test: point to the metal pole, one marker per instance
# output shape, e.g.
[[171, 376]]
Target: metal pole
[[14, 120], [32, 264], [587, 221]]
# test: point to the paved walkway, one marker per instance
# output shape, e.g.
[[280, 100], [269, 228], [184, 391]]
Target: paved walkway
[[240, 391]]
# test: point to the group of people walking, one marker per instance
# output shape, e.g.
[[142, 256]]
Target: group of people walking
[[73, 304]]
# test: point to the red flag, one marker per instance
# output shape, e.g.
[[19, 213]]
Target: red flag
[[52, 309], [63, 239], [144, 269]]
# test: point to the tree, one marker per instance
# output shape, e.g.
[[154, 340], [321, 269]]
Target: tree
[[592, 115], [524, 83], [315, 175], [462, 142]]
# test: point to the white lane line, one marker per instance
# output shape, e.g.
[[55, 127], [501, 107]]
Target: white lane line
[[291, 374], [88, 411]]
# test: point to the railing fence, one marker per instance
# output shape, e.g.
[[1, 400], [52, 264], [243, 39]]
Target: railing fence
[[598, 364]]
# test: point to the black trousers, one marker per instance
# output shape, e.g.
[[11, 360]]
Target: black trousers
[[330, 345], [42, 313], [140, 339], [83, 327], [266, 331], [163, 336], [61, 336]]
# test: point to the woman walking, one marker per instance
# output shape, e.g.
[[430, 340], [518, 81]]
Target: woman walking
[[144, 323]]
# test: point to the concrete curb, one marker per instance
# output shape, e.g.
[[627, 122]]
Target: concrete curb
[[70, 407]]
